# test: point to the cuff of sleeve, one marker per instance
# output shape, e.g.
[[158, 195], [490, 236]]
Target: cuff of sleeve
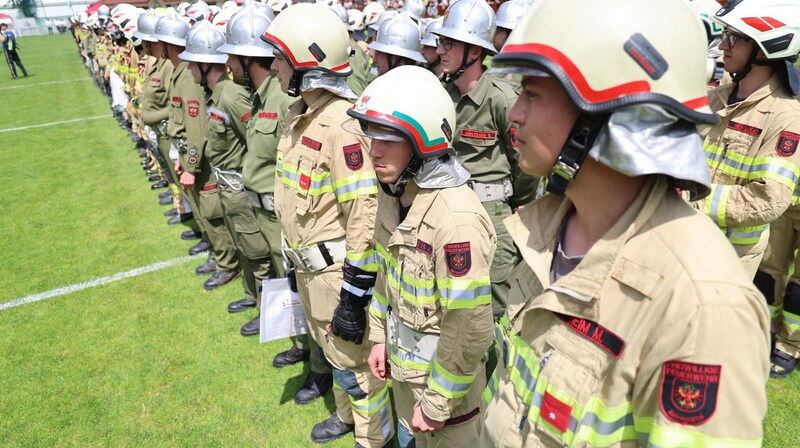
[[377, 333], [435, 406]]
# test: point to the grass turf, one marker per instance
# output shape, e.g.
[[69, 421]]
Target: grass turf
[[150, 361]]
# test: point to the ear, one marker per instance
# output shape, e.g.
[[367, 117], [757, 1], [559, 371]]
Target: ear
[[475, 52]]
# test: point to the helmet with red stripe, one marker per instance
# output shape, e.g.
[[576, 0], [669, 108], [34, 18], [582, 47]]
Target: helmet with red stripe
[[773, 24], [311, 38], [634, 53]]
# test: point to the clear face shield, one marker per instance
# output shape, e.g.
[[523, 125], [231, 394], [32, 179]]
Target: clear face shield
[[372, 130]]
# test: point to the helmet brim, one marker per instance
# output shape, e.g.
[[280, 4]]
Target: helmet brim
[[247, 50], [204, 58]]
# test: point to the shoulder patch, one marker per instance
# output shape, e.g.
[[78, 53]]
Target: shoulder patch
[[424, 247], [458, 257], [787, 143], [689, 391], [747, 129], [353, 156], [245, 117], [478, 134], [268, 115], [313, 144]]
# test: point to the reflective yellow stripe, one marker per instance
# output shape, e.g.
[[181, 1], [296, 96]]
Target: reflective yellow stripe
[[715, 205], [791, 320], [751, 168], [448, 384], [651, 434], [363, 260], [747, 235], [415, 291], [378, 305]]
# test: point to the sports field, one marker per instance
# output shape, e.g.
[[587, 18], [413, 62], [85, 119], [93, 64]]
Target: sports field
[[142, 357]]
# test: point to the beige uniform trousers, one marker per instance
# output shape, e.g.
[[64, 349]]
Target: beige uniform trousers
[[462, 434], [779, 261], [371, 414], [271, 230]]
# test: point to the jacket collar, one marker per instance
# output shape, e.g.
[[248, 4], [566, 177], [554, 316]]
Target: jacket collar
[[723, 93], [405, 233]]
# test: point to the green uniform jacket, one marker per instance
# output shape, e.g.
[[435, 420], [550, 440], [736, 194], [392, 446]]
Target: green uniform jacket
[[228, 110], [264, 129], [155, 94], [187, 119], [361, 76], [483, 134]]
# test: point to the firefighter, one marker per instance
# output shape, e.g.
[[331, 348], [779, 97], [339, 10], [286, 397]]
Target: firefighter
[[433, 237], [631, 321], [325, 199]]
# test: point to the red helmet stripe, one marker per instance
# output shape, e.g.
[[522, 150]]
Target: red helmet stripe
[[411, 129], [574, 74], [774, 22], [758, 23], [285, 50], [696, 103]]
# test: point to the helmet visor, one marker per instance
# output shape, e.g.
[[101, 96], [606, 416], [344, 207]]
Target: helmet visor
[[515, 73], [372, 130]]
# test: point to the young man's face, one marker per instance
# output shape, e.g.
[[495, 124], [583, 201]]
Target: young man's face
[[389, 157], [544, 116], [283, 71]]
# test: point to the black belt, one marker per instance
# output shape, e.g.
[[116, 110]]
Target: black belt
[[462, 418]]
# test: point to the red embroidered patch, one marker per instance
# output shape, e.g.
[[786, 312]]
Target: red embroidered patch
[[353, 156], [477, 134], [787, 143], [305, 182], [245, 117], [155, 80], [176, 99], [747, 129], [313, 144], [216, 117], [689, 391], [424, 247], [458, 257], [194, 107], [555, 412], [268, 115]]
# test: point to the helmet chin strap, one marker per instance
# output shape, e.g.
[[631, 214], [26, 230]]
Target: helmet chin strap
[[580, 140], [464, 64], [751, 61], [246, 69], [399, 186], [204, 74], [294, 83]]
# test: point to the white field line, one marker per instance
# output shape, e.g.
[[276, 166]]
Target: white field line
[[25, 86], [54, 123], [96, 282]]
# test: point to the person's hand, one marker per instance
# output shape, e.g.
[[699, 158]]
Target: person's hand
[[377, 362], [423, 423], [178, 167], [187, 180]]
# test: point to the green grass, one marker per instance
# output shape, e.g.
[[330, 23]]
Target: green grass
[[150, 361]]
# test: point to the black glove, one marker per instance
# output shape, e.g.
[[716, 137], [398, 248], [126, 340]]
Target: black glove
[[349, 320]]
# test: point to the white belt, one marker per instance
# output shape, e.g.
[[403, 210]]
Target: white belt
[[493, 192], [398, 334], [317, 257], [261, 200]]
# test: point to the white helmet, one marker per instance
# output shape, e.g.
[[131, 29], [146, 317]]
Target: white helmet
[[372, 11], [652, 81], [355, 20], [222, 18], [279, 5], [202, 44], [182, 7], [775, 27], [471, 22], [198, 11], [171, 29], [230, 4], [103, 12], [399, 36]]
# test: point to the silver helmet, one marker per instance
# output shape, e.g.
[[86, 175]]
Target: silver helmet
[[509, 13], [428, 37], [171, 29], [243, 35], [399, 36], [414, 8], [471, 22], [103, 12], [340, 12], [146, 26], [202, 44], [386, 15]]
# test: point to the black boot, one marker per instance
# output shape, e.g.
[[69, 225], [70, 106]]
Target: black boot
[[330, 429], [316, 385]]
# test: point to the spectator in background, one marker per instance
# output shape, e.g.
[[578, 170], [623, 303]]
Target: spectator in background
[[49, 24], [9, 41]]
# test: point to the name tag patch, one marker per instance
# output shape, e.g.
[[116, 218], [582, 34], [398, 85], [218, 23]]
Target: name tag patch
[[596, 333], [478, 134], [424, 247], [313, 144], [245, 117], [268, 115], [747, 129]]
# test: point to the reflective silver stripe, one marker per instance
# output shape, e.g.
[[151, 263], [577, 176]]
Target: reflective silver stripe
[[447, 384], [355, 186], [466, 294], [606, 428], [715, 204]]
